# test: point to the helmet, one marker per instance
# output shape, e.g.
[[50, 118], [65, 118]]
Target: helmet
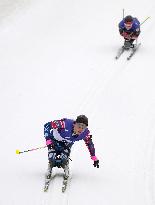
[[128, 19], [82, 119]]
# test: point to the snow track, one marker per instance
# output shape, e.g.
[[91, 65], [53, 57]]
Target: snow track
[[57, 60]]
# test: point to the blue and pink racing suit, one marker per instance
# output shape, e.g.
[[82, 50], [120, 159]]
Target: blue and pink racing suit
[[62, 137], [134, 30]]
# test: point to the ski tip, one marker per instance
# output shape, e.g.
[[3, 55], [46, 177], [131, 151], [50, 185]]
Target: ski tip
[[45, 188], [17, 151], [63, 190]]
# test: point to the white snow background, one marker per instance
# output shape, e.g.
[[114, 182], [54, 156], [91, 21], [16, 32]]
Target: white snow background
[[57, 60]]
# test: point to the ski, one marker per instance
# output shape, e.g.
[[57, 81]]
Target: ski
[[133, 51], [47, 183], [120, 52], [122, 49], [64, 184]]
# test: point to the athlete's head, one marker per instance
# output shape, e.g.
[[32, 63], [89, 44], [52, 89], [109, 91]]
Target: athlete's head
[[80, 124], [128, 21]]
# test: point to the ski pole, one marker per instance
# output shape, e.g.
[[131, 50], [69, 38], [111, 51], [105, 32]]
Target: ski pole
[[29, 150], [145, 20], [123, 13]]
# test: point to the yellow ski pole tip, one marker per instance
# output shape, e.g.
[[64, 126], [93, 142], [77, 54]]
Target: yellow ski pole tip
[[17, 151]]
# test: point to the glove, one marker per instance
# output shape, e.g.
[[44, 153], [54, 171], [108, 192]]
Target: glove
[[126, 35], [48, 142], [96, 161]]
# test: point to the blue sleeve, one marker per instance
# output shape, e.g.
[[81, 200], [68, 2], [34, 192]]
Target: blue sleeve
[[137, 22], [136, 29], [90, 145], [47, 129], [121, 25]]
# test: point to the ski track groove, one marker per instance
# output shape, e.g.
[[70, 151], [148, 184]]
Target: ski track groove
[[150, 162], [97, 87]]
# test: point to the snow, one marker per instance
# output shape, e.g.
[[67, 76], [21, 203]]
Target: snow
[[57, 60]]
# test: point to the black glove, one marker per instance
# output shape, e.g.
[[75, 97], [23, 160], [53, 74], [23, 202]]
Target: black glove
[[96, 163]]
